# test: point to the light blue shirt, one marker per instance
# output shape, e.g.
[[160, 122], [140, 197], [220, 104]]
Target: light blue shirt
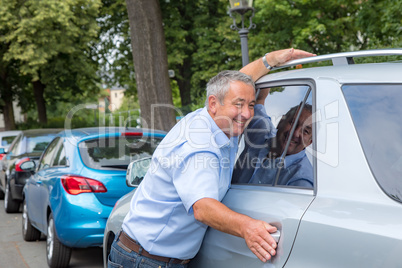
[[194, 161]]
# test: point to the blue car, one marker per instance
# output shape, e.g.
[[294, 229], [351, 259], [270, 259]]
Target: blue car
[[79, 178]]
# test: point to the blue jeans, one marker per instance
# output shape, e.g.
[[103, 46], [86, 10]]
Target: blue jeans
[[121, 258]]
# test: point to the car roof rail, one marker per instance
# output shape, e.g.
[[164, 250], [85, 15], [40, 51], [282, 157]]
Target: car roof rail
[[343, 58]]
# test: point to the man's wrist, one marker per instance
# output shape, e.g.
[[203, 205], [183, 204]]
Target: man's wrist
[[266, 64]]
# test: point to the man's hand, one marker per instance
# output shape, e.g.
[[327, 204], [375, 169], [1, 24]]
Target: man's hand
[[280, 57], [256, 69], [256, 233], [257, 236]]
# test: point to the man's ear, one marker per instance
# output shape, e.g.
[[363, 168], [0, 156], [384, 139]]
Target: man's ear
[[212, 103]]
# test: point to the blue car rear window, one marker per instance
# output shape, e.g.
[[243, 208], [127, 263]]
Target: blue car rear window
[[376, 111], [116, 152]]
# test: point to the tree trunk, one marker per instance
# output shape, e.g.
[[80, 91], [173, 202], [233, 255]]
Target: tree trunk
[[185, 83], [39, 90], [7, 99], [150, 64], [8, 114]]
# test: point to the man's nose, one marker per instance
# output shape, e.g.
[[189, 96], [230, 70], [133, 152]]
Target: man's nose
[[246, 112], [298, 132]]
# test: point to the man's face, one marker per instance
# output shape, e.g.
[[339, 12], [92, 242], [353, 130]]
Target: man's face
[[237, 110], [302, 137]]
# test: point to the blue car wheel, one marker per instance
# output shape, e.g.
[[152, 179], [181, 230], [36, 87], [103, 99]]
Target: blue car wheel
[[57, 254]]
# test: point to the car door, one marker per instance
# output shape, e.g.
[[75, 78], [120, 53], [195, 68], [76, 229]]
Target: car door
[[37, 192], [280, 205]]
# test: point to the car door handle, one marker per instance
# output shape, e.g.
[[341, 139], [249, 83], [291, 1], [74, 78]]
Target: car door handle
[[276, 236]]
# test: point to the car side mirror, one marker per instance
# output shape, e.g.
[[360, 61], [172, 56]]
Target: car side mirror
[[136, 171], [28, 166]]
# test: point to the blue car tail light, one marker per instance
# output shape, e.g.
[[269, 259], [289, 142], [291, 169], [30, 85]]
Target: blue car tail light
[[77, 185]]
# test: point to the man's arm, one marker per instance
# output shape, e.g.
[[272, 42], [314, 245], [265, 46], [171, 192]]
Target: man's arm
[[256, 233], [256, 69]]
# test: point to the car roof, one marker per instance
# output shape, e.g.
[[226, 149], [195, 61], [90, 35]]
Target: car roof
[[40, 132], [10, 133], [358, 73], [344, 70], [81, 133]]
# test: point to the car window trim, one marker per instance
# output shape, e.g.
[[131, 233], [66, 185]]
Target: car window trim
[[55, 140], [294, 82]]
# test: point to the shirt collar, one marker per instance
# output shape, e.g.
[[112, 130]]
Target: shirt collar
[[219, 136]]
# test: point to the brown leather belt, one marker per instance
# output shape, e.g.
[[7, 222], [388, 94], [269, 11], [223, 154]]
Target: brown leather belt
[[128, 242]]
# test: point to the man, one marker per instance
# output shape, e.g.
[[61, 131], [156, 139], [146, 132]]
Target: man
[[264, 160], [190, 174]]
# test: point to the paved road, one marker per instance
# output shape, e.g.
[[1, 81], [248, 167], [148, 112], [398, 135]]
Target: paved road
[[17, 253]]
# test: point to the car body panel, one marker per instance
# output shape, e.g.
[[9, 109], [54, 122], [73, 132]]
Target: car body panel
[[283, 209]]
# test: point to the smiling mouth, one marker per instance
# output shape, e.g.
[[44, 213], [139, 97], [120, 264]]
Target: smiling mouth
[[242, 123]]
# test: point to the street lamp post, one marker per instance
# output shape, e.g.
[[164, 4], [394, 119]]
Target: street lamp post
[[242, 7]]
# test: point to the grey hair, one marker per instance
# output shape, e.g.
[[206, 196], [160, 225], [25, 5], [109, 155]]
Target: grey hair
[[219, 85]]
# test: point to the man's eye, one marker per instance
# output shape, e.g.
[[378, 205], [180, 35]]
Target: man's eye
[[239, 105], [251, 106]]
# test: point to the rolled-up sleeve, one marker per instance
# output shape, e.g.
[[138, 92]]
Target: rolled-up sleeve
[[197, 178]]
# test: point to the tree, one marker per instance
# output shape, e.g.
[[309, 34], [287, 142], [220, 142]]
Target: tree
[[50, 41], [150, 63]]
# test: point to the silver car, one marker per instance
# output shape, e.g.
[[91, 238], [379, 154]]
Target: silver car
[[352, 214]]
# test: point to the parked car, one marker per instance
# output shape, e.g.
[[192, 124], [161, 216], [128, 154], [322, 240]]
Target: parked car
[[352, 216], [6, 138], [77, 182], [27, 146], [135, 173]]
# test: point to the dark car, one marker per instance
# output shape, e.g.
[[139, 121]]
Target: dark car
[[28, 145]]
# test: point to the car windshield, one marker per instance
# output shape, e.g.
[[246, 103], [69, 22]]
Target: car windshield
[[38, 144], [116, 152], [376, 111]]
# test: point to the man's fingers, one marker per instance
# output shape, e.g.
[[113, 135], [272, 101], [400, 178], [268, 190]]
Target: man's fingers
[[261, 253]]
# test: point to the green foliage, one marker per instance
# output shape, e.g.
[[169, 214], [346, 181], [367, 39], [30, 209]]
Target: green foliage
[[39, 31], [114, 46], [52, 42]]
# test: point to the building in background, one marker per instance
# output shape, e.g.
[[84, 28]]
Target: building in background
[[113, 100]]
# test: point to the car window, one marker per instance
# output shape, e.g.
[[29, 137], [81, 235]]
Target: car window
[[16, 146], [116, 152], [376, 111], [38, 144], [47, 156], [276, 144], [61, 158], [7, 140]]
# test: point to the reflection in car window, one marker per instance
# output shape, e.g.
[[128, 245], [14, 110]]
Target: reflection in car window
[[60, 159], [5, 141], [48, 155], [16, 146], [275, 140], [376, 111], [38, 144], [116, 152]]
